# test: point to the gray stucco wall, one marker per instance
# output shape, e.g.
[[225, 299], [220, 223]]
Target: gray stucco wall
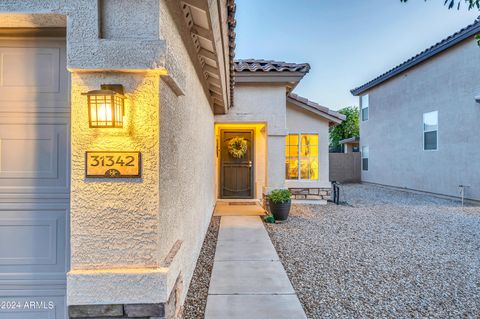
[[187, 166], [448, 84]]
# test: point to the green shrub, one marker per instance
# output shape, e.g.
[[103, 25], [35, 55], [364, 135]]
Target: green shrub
[[280, 196], [269, 219]]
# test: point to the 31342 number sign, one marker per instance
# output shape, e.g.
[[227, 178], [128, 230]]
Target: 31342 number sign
[[112, 164]]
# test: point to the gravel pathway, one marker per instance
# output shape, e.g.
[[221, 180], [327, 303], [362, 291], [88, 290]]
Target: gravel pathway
[[196, 301], [389, 254]]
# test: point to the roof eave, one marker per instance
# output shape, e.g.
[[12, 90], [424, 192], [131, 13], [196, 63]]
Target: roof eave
[[290, 79], [331, 118]]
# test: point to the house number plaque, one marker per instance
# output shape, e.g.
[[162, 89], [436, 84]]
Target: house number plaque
[[110, 164]]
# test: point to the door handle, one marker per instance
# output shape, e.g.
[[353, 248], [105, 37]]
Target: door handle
[[249, 163]]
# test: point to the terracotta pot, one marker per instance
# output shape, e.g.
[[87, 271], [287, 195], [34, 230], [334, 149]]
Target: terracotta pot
[[280, 211]]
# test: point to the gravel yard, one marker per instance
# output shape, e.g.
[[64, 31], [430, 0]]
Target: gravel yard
[[196, 301], [387, 254]]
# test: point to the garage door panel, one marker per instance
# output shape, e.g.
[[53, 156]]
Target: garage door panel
[[29, 70], [33, 158], [33, 241], [33, 76], [32, 307]]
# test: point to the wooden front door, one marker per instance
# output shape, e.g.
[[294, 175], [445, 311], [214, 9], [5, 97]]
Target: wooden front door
[[236, 178]]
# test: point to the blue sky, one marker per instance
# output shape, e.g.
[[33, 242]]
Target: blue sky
[[347, 43]]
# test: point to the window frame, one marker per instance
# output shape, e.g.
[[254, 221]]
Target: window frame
[[362, 153], [427, 131], [299, 136], [367, 97]]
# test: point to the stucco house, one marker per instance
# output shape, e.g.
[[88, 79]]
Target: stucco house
[[116, 127], [350, 145], [418, 121]]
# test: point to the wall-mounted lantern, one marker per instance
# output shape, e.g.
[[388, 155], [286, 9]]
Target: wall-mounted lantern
[[106, 106], [477, 98]]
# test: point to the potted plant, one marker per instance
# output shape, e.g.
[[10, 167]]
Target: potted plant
[[280, 202]]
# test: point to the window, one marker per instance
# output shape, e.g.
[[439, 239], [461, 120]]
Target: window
[[430, 131], [301, 156], [364, 102], [365, 158]]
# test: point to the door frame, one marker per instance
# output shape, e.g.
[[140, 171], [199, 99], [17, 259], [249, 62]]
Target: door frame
[[252, 171]]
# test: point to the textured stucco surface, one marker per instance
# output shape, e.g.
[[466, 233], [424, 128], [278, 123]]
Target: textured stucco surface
[[86, 49], [301, 121], [187, 166], [115, 223], [23, 20], [447, 83], [120, 286]]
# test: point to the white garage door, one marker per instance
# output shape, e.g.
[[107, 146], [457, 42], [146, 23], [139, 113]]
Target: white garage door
[[34, 178]]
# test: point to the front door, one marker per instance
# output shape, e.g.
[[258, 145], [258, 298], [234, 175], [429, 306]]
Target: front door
[[34, 178], [236, 164]]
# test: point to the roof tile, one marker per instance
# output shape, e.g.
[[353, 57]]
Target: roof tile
[[254, 65]]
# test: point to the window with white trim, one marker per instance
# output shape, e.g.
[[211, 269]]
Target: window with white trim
[[365, 155], [301, 156], [364, 103], [430, 131]]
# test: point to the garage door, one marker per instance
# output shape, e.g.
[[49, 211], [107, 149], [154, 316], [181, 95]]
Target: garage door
[[34, 178]]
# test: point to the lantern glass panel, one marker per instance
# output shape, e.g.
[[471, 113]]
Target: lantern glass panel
[[105, 110]]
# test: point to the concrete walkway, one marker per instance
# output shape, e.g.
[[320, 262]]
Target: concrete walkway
[[248, 279]]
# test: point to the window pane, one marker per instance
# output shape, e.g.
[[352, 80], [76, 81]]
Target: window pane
[[365, 114], [430, 140], [293, 139], [430, 121], [292, 168], [365, 164], [309, 151], [364, 101], [293, 151], [365, 152]]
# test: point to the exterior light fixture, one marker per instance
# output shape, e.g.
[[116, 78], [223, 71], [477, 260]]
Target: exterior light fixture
[[106, 106], [477, 98]]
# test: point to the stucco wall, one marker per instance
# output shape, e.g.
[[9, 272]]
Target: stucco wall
[[263, 103], [302, 121], [187, 166], [447, 83], [115, 222]]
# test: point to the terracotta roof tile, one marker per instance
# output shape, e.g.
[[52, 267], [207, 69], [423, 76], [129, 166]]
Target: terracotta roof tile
[[316, 106], [254, 65]]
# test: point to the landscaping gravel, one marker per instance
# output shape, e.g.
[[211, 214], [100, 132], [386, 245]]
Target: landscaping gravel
[[196, 301], [388, 254]]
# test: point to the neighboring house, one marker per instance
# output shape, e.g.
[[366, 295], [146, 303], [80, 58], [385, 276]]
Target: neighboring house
[[74, 232], [350, 145], [287, 135], [419, 121]]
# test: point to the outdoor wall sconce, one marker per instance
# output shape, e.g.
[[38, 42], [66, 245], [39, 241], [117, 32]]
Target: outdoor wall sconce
[[477, 98], [106, 106]]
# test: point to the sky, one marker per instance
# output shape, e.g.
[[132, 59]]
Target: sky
[[347, 43]]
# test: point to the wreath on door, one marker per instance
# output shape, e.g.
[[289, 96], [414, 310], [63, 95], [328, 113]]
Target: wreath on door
[[237, 147]]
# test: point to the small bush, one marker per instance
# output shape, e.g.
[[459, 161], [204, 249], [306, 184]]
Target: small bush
[[269, 219], [280, 196]]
